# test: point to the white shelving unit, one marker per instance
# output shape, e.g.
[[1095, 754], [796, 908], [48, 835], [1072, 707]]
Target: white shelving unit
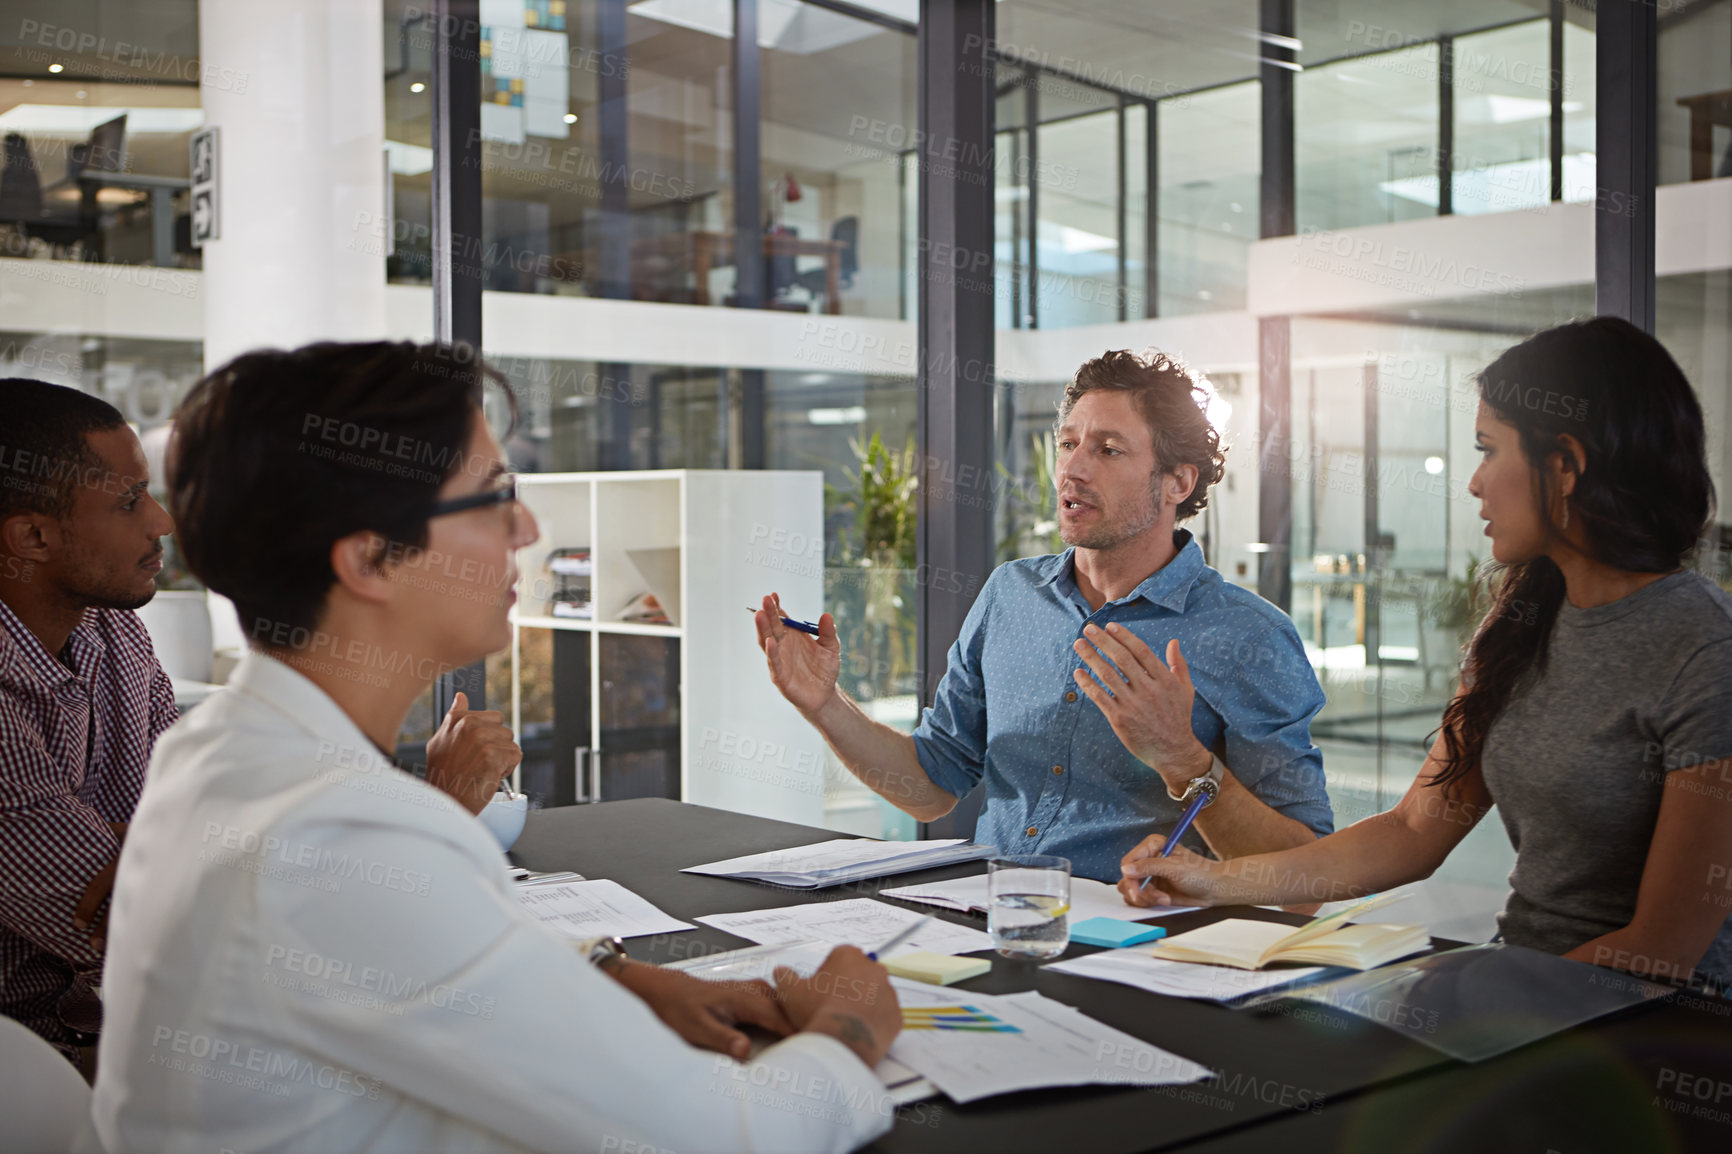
[[709, 544]]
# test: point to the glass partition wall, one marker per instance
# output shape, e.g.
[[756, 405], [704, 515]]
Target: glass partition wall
[[1128, 206]]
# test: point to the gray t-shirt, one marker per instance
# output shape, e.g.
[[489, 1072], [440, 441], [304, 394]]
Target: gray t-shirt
[[1576, 762]]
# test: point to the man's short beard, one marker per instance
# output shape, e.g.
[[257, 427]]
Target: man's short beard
[[101, 596], [1111, 536], [130, 602]]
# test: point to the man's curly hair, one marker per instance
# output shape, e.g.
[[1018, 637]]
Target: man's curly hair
[[1172, 400]]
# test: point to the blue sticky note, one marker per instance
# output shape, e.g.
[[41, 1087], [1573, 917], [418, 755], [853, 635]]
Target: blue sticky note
[[1113, 932]]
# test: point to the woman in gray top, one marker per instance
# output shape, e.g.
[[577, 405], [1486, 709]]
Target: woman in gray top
[[1595, 709]]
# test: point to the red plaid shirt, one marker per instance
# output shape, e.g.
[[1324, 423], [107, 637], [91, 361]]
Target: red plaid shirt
[[74, 743]]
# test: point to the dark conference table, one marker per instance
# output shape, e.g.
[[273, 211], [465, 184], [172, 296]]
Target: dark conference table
[[1653, 1078]]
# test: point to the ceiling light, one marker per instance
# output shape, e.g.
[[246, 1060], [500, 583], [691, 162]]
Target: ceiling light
[[55, 67], [417, 87]]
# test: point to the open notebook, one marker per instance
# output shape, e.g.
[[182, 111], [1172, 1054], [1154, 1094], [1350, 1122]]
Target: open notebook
[[1325, 941]]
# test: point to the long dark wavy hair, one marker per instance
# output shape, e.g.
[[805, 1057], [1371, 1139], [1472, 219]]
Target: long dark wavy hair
[[1642, 499]]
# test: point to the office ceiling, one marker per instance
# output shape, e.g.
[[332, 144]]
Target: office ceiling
[[1179, 45], [153, 40]]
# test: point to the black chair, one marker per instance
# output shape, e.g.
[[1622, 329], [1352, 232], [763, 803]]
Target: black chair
[[845, 232], [20, 183], [21, 192]]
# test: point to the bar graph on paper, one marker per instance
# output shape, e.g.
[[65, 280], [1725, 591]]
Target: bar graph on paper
[[960, 1018]]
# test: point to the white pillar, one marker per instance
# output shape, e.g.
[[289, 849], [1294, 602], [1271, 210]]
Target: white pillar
[[302, 185]]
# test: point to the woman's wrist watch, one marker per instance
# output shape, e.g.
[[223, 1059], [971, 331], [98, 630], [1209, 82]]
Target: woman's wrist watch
[[1208, 782], [607, 954]]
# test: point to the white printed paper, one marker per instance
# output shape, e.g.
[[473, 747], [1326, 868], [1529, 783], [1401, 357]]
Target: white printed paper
[[1042, 1043], [595, 909], [863, 922], [1088, 899], [1134, 966], [843, 859]]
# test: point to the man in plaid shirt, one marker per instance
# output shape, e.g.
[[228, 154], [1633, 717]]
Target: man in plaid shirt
[[82, 697]]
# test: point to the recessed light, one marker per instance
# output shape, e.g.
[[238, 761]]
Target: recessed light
[[571, 118], [56, 67], [417, 87]]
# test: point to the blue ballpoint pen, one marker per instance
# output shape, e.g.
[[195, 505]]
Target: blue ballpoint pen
[[1190, 815], [802, 626]]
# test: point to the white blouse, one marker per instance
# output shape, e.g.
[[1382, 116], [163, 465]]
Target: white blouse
[[312, 950]]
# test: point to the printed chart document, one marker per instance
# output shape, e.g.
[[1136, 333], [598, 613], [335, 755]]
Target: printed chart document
[[595, 909], [863, 922], [974, 1046], [846, 859], [1088, 899], [1327, 941], [758, 963], [1136, 966]]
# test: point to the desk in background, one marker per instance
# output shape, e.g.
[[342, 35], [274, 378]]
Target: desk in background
[[716, 250], [1311, 1079]]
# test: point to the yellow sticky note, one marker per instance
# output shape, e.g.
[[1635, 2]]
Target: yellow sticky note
[[936, 969]]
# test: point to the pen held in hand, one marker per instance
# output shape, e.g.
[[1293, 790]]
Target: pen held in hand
[[898, 938], [802, 626], [1185, 820]]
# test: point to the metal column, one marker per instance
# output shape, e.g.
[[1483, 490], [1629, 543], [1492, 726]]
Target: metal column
[[956, 378]]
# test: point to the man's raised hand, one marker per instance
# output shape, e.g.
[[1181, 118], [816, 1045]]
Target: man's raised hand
[[804, 668], [1149, 703]]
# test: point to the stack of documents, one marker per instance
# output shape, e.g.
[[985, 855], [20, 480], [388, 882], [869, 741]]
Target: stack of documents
[[1088, 899], [861, 922], [847, 859], [972, 1045], [595, 909]]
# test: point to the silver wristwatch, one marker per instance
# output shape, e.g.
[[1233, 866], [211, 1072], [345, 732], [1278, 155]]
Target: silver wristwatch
[[603, 952], [1209, 782]]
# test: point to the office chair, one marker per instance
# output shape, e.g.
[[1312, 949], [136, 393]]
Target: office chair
[[45, 1102], [846, 232], [105, 151], [20, 184]]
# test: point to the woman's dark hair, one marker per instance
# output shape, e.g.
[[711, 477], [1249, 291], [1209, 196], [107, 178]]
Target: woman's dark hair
[[1172, 401], [1642, 499], [278, 455]]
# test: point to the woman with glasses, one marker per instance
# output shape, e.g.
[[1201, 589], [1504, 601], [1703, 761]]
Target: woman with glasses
[[314, 950]]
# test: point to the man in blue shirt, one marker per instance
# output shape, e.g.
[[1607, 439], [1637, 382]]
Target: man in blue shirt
[[1056, 698]]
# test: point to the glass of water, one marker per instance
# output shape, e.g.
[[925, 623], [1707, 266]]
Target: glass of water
[[1029, 905]]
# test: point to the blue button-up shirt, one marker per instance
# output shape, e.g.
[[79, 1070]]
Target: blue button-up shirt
[[1058, 780]]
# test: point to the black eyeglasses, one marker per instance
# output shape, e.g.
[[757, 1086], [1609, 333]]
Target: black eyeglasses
[[505, 494]]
